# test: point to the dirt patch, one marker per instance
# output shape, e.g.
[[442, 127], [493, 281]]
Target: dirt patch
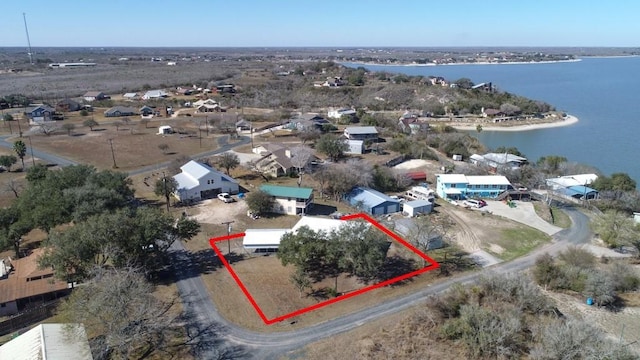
[[214, 211], [623, 324], [495, 248]]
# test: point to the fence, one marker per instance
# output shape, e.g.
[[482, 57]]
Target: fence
[[28, 317]]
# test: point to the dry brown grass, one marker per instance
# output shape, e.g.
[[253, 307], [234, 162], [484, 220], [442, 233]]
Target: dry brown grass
[[134, 145]]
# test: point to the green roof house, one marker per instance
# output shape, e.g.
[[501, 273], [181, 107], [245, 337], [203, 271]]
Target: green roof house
[[290, 200]]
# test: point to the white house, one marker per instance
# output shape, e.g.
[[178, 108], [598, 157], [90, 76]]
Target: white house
[[94, 96], [355, 146], [459, 186], [266, 239], [199, 181], [290, 200], [338, 113], [496, 161], [571, 180], [361, 133], [154, 94]]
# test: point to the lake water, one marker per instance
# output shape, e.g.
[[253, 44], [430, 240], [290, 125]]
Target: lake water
[[602, 92]]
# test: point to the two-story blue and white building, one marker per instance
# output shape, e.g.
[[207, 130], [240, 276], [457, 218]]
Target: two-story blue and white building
[[459, 186]]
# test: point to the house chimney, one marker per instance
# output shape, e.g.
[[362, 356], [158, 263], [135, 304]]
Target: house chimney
[[287, 153]]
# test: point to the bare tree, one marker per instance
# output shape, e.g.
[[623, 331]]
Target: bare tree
[[164, 148], [300, 157], [361, 170], [301, 280], [130, 320], [68, 127], [47, 128], [13, 186]]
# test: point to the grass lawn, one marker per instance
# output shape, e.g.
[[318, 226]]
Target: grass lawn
[[560, 219], [519, 241]]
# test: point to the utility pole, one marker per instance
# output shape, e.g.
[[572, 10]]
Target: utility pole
[[113, 154], [228, 223], [164, 184], [33, 159], [26, 29]]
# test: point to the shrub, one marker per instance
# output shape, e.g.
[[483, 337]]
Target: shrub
[[578, 257]]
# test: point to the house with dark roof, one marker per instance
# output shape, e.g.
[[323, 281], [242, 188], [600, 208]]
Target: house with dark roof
[[290, 200], [23, 284], [372, 201], [68, 105], [117, 111], [94, 96], [275, 162], [199, 181], [40, 113], [308, 121]]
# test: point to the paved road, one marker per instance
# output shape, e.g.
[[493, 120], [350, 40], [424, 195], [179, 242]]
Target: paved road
[[240, 343], [49, 158], [256, 345]]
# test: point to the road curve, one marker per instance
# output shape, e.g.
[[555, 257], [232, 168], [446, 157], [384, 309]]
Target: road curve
[[270, 346], [242, 343]]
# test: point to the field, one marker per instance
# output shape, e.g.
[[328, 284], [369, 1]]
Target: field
[[134, 145]]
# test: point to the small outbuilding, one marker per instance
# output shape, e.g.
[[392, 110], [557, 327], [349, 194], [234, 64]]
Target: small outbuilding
[[372, 201], [166, 129], [417, 207]]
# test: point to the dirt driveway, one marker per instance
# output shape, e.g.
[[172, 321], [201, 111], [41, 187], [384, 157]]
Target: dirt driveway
[[214, 211]]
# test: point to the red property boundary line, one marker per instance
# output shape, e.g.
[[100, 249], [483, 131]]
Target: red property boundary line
[[433, 265]]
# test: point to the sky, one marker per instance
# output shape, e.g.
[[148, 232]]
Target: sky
[[326, 23]]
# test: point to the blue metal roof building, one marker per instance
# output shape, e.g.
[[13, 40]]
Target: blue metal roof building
[[372, 201], [581, 192]]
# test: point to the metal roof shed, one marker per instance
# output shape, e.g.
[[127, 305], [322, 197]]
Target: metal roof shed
[[372, 201], [417, 207], [263, 238]]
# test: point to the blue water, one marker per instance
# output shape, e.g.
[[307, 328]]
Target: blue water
[[602, 92]]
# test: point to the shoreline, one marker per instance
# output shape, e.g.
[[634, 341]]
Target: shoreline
[[568, 121], [460, 64]]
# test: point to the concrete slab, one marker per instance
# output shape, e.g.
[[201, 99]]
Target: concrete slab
[[483, 258], [523, 213]]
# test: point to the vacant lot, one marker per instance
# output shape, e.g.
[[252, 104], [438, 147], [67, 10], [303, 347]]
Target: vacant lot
[[134, 145]]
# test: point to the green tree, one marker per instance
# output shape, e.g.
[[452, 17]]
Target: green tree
[[20, 148], [7, 117], [509, 150], [12, 228], [37, 173], [464, 83], [166, 187], [617, 182], [228, 161], [332, 146], [260, 202], [301, 281], [615, 228], [90, 123], [8, 161], [306, 249], [363, 251], [84, 113]]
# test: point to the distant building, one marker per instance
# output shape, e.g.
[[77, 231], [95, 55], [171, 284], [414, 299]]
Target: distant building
[[361, 133], [355, 146], [40, 113], [118, 111], [94, 96], [68, 105], [339, 113], [498, 161], [574, 186], [154, 94], [417, 207]]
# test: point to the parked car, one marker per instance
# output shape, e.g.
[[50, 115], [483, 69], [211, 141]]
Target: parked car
[[472, 203], [225, 197]]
